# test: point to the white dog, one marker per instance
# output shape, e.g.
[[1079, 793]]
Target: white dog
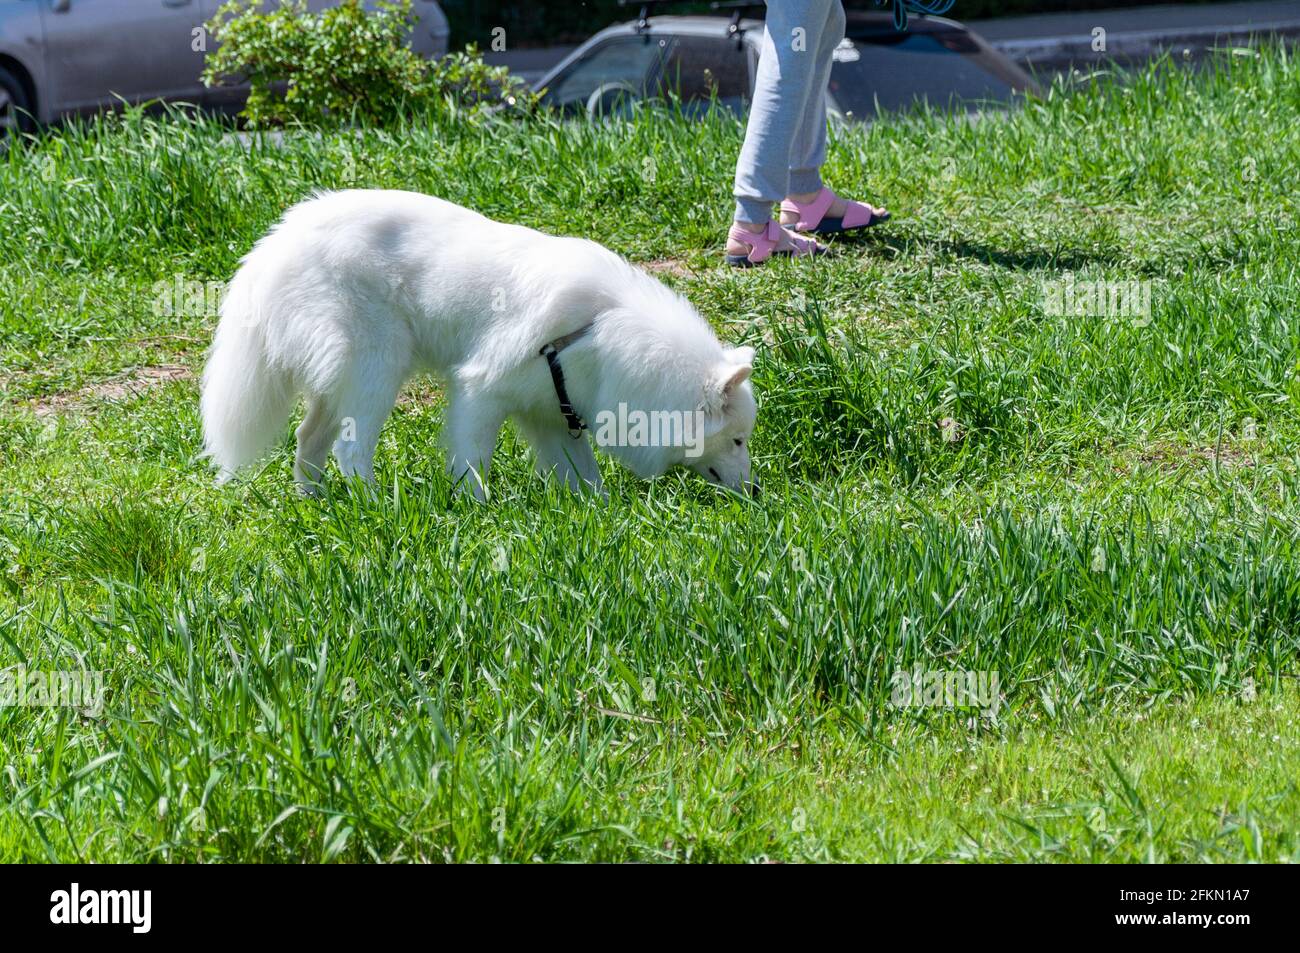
[[354, 292]]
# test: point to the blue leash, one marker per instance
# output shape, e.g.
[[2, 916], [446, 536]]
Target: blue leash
[[933, 8]]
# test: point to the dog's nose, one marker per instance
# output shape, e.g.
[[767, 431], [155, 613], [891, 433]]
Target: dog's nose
[[754, 490]]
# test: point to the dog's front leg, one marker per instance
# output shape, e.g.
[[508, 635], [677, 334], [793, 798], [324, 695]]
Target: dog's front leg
[[561, 457], [470, 433]]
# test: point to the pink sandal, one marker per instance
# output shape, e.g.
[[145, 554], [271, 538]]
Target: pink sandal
[[812, 215], [762, 245]]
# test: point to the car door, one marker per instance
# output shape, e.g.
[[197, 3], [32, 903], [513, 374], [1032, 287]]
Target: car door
[[609, 74], [99, 50], [878, 69], [702, 68]]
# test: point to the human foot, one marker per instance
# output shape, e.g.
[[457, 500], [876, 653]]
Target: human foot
[[825, 213], [751, 244]]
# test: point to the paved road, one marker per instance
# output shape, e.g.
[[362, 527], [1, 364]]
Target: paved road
[[1176, 20]]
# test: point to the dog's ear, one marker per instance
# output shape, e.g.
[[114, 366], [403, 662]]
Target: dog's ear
[[740, 364], [729, 375], [743, 356], [734, 378]]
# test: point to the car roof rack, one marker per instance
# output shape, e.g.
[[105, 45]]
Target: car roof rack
[[738, 10], [647, 7]]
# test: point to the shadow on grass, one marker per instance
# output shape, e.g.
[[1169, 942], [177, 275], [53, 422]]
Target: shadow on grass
[[1030, 259]]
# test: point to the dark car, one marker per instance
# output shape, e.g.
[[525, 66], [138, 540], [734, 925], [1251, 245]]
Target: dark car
[[699, 58]]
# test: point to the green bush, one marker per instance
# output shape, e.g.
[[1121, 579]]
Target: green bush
[[344, 64]]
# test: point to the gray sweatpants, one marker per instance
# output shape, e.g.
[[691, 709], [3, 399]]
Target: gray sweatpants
[[785, 138]]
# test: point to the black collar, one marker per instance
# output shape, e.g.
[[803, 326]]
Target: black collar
[[551, 352]]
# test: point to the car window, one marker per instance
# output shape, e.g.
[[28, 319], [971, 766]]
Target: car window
[[623, 63], [899, 68], [700, 67]]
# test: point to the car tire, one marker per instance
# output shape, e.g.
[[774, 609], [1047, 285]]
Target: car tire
[[15, 106], [611, 99]]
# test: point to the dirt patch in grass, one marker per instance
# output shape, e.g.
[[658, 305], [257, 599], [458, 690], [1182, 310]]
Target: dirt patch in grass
[[667, 266], [422, 391], [1169, 457], [128, 384], [1225, 456], [136, 381]]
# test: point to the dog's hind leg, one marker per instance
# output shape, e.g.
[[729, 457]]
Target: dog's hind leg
[[361, 408], [470, 434], [315, 434], [561, 457]]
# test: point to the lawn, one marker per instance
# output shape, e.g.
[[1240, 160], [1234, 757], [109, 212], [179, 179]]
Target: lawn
[[1097, 509]]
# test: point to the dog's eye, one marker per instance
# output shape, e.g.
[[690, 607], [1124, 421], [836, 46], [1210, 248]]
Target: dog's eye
[[739, 442]]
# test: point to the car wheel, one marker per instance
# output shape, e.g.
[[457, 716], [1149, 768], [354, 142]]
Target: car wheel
[[15, 106], [611, 99]]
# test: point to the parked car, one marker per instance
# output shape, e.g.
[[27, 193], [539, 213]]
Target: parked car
[[876, 67], [70, 57]]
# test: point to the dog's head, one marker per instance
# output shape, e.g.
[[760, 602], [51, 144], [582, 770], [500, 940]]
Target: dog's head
[[729, 411], [704, 423]]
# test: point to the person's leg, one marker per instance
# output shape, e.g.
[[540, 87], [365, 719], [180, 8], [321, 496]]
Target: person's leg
[[809, 151], [787, 73]]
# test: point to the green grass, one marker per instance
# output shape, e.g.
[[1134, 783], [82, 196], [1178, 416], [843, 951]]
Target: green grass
[[678, 674]]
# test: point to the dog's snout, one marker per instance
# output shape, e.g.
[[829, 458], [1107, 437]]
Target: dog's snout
[[754, 489]]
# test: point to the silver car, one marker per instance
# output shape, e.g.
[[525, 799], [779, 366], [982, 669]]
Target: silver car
[[71, 57]]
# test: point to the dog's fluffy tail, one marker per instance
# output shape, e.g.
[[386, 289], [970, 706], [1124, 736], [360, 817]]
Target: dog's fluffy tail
[[245, 401]]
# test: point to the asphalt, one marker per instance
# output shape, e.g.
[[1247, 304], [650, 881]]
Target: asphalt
[[1054, 40], [1174, 18]]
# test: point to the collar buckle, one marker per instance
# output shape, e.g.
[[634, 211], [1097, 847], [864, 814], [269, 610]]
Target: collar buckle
[[551, 351]]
